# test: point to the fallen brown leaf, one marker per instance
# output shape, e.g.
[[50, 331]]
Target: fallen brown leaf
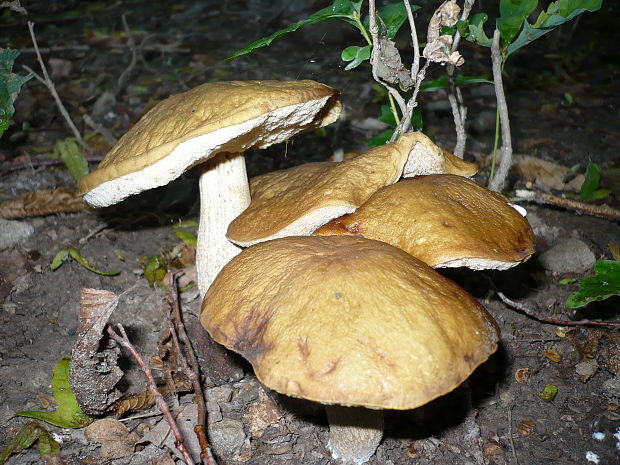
[[43, 202], [115, 439]]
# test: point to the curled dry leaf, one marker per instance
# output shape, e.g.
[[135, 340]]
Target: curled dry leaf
[[43, 202], [94, 372], [115, 439], [137, 402], [438, 46], [390, 67]]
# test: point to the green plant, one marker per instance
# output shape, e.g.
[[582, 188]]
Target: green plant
[[590, 189], [10, 85], [514, 31], [68, 413], [604, 284]]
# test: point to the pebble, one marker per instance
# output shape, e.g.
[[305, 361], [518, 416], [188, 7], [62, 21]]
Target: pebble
[[227, 436], [568, 256], [12, 232]]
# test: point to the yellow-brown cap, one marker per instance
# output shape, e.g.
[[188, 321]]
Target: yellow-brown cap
[[296, 201], [190, 127], [428, 158], [445, 221], [347, 320]]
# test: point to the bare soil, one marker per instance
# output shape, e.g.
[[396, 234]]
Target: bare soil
[[564, 102]]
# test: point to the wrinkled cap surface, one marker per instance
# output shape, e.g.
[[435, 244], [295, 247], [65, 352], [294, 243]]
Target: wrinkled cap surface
[[190, 127], [347, 320], [296, 201], [428, 158], [445, 221]]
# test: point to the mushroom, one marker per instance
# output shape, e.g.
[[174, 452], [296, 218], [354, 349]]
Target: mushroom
[[443, 220], [348, 322], [215, 121], [296, 201]]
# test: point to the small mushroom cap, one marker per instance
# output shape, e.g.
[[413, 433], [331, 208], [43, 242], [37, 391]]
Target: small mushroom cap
[[347, 320], [190, 127], [443, 220], [296, 201], [428, 158]]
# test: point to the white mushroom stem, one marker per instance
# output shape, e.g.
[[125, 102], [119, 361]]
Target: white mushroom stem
[[354, 432], [224, 194]]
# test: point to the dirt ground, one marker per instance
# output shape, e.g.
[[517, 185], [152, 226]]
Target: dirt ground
[[564, 101]]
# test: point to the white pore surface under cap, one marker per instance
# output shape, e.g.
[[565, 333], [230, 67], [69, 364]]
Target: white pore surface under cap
[[305, 225], [277, 126]]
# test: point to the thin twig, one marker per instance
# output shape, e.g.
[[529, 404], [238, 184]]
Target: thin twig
[[10, 168], [47, 81], [498, 181], [510, 436], [540, 317], [124, 77], [405, 122], [124, 341], [459, 110], [602, 211], [177, 332], [415, 66]]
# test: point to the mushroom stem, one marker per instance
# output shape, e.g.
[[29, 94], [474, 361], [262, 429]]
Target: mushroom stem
[[354, 432], [224, 194]]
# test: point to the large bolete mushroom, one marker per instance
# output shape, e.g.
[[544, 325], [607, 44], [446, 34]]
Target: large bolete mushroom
[[348, 321], [296, 201], [443, 220], [216, 121]]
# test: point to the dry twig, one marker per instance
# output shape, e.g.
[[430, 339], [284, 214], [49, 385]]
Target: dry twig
[[459, 110], [540, 317], [124, 341], [47, 82], [177, 333], [602, 211], [498, 179]]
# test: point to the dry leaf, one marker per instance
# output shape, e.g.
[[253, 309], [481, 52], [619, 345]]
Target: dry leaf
[[615, 250], [94, 373], [137, 402], [544, 174], [115, 439], [553, 355], [522, 375], [526, 427], [390, 67], [43, 202]]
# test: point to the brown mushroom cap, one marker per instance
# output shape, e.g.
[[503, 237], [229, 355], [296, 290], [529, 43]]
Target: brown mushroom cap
[[235, 115], [428, 158], [443, 220], [346, 320], [296, 201]]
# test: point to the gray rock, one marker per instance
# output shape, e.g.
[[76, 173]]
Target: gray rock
[[568, 256], [12, 232], [227, 436]]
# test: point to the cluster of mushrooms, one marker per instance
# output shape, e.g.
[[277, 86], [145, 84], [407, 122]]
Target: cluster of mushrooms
[[322, 275]]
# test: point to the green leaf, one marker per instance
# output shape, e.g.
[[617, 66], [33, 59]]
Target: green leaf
[[59, 259], [476, 30], [557, 14], [72, 252], [381, 138], [605, 284], [356, 55], [443, 82], [566, 281], [548, 393], [393, 15], [463, 28], [70, 152], [68, 413], [27, 435], [155, 270], [591, 182], [10, 85], [186, 237], [343, 9], [75, 254], [387, 116], [513, 14]]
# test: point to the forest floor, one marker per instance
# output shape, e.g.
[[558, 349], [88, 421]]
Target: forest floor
[[564, 102]]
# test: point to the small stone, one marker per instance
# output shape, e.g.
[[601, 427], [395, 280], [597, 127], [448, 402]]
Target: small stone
[[12, 232], [227, 437], [586, 370], [568, 256]]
